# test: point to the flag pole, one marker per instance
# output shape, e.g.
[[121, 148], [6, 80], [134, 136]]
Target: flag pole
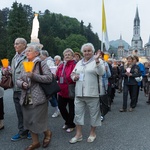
[[102, 42]]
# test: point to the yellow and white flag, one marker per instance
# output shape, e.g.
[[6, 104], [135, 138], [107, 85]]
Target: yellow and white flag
[[104, 27]]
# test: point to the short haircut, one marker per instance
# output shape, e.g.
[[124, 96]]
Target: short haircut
[[68, 50], [35, 47], [88, 44], [130, 56], [136, 57], [44, 53], [21, 40], [78, 54], [57, 57]]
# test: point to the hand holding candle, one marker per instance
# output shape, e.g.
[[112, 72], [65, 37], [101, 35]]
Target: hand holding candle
[[28, 66], [5, 62], [128, 70]]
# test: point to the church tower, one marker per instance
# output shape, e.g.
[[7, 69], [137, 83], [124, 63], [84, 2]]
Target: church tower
[[120, 48], [137, 43]]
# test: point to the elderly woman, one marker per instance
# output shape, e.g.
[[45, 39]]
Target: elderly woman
[[33, 100], [64, 79], [130, 72], [85, 75]]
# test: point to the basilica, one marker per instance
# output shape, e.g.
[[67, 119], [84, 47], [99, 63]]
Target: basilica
[[137, 47]]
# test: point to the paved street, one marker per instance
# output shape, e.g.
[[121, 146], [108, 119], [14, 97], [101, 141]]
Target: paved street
[[119, 131]]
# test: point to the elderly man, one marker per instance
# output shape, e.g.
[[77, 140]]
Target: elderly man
[[16, 66]]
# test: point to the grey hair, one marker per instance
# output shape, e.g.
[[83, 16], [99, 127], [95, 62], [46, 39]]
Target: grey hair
[[21, 40], [35, 47], [68, 50], [44, 53], [88, 44], [57, 57]]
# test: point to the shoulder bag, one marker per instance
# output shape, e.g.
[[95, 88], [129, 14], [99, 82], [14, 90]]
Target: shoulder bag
[[71, 88], [50, 88], [6, 81], [104, 100]]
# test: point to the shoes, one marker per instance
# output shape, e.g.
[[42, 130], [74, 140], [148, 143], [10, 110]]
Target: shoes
[[102, 118], [130, 109], [75, 140], [47, 139], [56, 114], [1, 128], [70, 130], [17, 137], [122, 110], [33, 146], [141, 89], [148, 102], [91, 139], [65, 127], [29, 136]]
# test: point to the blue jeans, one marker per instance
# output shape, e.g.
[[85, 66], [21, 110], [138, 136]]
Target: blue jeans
[[53, 101]]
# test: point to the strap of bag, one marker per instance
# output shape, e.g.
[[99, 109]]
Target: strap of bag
[[98, 84], [40, 68]]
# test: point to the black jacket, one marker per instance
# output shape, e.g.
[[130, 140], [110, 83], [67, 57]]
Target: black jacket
[[135, 71]]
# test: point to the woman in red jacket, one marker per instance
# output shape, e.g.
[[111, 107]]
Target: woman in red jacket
[[64, 79]]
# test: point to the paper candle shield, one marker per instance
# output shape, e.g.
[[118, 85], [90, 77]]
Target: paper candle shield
[[106, 56], [28, 66], [5, 62], [128, 69]]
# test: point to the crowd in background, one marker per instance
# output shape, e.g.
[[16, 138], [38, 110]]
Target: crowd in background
[[80, 70]]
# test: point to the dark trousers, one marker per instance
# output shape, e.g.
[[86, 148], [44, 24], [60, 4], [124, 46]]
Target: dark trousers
[[67, 113], [137, 95], [131, 89], [53, 101], [16, 98], [1, 109]]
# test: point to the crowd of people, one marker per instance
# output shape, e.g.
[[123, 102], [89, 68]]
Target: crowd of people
[[80, 70]]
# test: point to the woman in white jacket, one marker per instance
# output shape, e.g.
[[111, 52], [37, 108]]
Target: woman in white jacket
[[86, 91]]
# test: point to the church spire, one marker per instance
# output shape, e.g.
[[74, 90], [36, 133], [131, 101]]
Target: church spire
[[120, 43], [137, 19]]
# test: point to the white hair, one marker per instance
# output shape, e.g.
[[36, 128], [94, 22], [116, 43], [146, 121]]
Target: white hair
[[88, 44], [57, 57], [34, 47], [68, 50]]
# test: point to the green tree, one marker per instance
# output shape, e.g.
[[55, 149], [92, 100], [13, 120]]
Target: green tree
[[3, 30], [75, 41], [18, 26]]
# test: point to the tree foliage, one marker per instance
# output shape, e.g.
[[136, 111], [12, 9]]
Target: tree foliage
[[56, 33]]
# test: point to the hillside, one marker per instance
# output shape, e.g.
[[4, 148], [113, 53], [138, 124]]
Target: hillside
[[116, 43]]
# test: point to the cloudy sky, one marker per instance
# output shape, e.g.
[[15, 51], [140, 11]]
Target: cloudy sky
[[119, 14]]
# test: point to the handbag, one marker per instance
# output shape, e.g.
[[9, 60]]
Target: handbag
[[71, 90], [104, 100], [6, 81], [50, 88]]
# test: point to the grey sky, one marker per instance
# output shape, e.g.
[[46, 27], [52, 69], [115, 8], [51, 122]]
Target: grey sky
[[119, 14]]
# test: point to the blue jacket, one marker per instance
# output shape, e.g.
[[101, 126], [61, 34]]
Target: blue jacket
[[142, 69]]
